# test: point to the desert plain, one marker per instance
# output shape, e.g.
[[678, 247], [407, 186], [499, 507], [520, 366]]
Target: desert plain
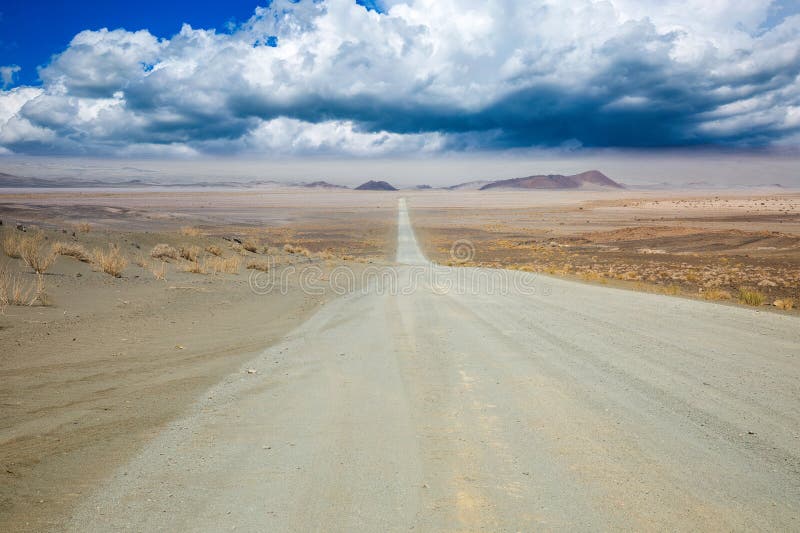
[[97, 359]]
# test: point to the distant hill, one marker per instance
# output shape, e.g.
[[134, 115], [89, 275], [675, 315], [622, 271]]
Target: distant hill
[[468, 186], [323, 185], [373, 185], [593, 179]]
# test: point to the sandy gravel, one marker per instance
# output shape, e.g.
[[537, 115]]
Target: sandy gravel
[[460, 405]]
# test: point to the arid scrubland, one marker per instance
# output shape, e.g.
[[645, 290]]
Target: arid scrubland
[[741, 249], [147, 309]]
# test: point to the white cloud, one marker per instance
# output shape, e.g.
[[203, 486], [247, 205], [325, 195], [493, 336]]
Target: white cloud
[[426, 75], [7, 74]]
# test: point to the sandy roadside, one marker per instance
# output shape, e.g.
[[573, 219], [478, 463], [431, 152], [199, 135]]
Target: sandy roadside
[[86, 381]]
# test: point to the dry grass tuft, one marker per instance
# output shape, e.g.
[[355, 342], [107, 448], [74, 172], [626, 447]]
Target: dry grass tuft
[[751, 297], [11, 244], [190, 253], [214, 250], [716, 294], [164, 251], [299, 250], [787, 304], [14, 290], [263, 266], [111, 261], [189, 231], [251, 245], [194, 268], [72, 249], [83, 227], [160, 272], [34, 254], [229, 265]]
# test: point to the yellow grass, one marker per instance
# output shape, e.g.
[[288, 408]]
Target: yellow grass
[[251, 245], [72, 249], [111, 261], [227, 265], [34, 254], [194, 268], [164, 251], [716, 294], [751, 297], [11, 244], [14, 290], [160, 272], [189, 231], [263, 266], [294, 249], [190, 253], [213, 249], [83, 227]]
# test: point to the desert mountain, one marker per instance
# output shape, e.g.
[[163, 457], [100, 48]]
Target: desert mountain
[[593, 179], [373, 185]]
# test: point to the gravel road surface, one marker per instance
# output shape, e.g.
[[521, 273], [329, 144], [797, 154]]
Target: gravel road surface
[[454, 399]]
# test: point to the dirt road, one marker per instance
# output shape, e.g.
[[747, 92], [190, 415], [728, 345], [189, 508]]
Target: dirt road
[[460, 399]]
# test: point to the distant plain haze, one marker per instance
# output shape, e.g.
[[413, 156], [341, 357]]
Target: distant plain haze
[[677, 168]]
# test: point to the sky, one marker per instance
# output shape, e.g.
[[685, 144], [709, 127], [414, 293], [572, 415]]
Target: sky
[[385, 79]]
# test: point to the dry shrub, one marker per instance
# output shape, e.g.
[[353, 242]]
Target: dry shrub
[[786, 304], [190, 253], [111, 261], [34, 254], [14, 290], [228, 265], [326, 254], [141, 261], [263, 266], [293, 249], [717, 294], [164, 251], [11, 245], [671, 290], [195, 268], [251, 245], [160, 272], [750, 296], [189, 231], [83, 227], [215, 250], [72, 249]]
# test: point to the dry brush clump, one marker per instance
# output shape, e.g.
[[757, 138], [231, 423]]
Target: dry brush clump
[[72, 249], [294, 249], [36, 256], [11, 245], [14, 290], [195, 267], [190, 253], [263, 266], [214, 250], [227, 265], [751, 297], [82, 227], [251, 245], [164, 251], [716, 294], [111, 261]]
